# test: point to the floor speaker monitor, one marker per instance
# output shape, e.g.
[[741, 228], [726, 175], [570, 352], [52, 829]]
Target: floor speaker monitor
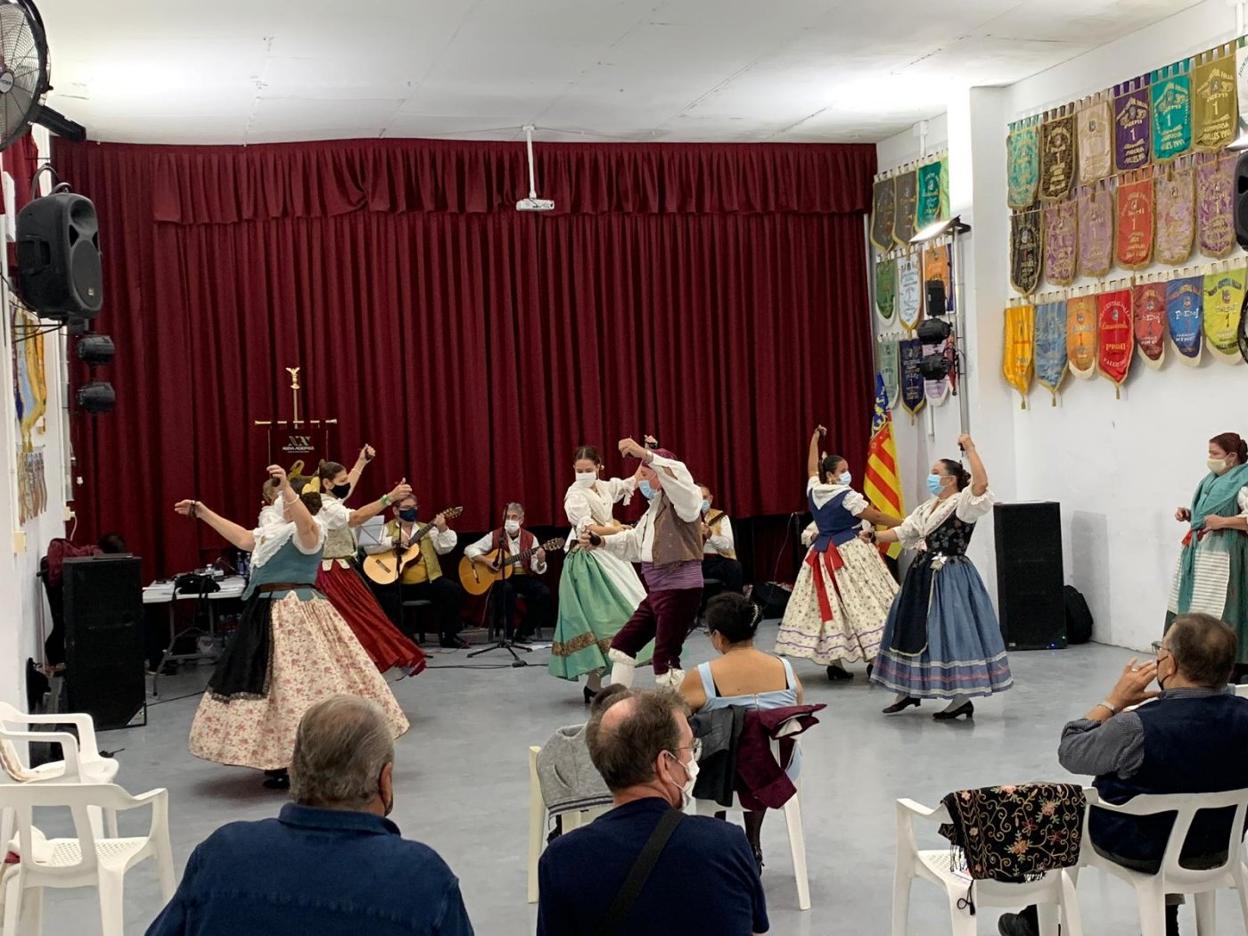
[[1029, 575]]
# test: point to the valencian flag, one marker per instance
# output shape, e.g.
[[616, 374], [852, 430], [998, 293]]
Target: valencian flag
[[882, 485]]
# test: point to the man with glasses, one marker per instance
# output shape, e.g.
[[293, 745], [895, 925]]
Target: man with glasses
[[645, 867], [1192, 737]]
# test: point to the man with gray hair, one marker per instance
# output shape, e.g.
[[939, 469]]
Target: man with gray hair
[[331, 863], [513, 542]]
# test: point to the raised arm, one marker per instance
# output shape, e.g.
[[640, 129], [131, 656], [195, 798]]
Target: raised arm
[[307, 530], [812, 456], [362, 515], [979, 474], [365, 456], [231, 531]]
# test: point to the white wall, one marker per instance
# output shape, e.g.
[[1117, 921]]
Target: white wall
[[1118, 467], [22, 605]]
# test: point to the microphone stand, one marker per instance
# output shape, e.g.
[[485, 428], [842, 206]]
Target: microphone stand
[[496, 604]]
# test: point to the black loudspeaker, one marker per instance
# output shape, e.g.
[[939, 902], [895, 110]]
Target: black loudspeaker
[[58, 257], [1241, 200], [1030, 582], [104, 666], [936, 300]]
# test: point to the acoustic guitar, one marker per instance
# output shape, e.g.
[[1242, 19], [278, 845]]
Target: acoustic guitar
[[385, 568], [478, 578]]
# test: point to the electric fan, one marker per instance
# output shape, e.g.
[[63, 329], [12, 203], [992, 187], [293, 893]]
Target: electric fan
[[24, 75]]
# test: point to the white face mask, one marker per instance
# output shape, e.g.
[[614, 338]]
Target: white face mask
[[845, 478], [691, 778], [512, 527], [1217, 465], [586, 478]]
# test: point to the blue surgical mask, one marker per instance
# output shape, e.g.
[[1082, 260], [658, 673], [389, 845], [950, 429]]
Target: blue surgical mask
[[409, 514], [649, 492], [934, 484], [845, 478], [706, 505]]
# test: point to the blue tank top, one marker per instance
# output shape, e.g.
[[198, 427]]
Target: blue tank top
[[289, 564], [835, 523]]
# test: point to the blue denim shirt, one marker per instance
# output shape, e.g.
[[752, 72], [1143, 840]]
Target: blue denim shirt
[[322, 871]]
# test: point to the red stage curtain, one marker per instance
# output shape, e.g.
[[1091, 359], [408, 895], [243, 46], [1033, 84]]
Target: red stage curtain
[[714, 295]]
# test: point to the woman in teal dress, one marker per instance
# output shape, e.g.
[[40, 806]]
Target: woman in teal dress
[[291, 649]]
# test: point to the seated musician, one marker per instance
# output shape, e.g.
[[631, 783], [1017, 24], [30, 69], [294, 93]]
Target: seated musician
[[514, 539], [719, 557], [423, 580]]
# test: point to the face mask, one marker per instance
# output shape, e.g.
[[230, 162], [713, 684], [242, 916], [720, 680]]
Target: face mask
[[691, 778], [512, 527], [586, 478], [706, 506], [409, 514], [934, 484], [845, 478], [340, 491], [649, 492], [1217, 465]]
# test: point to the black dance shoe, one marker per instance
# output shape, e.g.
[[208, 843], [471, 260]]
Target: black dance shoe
[[277, 779], [838, 673], [589, 695], [900, 706], [967, 708]]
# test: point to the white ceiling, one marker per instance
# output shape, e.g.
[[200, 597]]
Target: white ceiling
[[232, 71]]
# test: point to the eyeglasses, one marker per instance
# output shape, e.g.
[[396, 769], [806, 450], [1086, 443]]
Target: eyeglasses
[[695, 748], [1158, 647]]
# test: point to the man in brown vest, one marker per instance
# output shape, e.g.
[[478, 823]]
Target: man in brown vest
[[667, 541], [525, 582]]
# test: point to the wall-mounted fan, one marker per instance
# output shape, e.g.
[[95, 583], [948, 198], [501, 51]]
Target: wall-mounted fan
[[24, 76]]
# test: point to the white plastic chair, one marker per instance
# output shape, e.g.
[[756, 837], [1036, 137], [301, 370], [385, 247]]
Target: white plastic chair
[[1054, 892], [539, 815], [1241, 689], [792, 820], [81, 761], [85, 861], [1173, 878]]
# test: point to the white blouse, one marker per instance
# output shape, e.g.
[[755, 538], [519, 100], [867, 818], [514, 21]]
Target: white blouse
[[592, 505], [272, 537], [914, 530], [854, 502]]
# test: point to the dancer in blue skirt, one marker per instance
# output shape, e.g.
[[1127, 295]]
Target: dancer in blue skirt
[[942, 639]]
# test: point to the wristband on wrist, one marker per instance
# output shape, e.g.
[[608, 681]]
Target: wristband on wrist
[[385, 500], [1107, 705]]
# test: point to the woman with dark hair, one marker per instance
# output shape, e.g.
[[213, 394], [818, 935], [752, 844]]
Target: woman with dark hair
[[844, 590], [598, 592], [942, 639], [742, 676], [340, 579], [291, 649], [1212, 573]]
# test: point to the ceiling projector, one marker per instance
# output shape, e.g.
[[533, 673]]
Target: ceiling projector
[[535, 204]]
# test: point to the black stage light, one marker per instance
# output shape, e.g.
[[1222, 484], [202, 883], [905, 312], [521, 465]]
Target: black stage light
[[96, 350], [96, 397], [934, 367], [933, 331]]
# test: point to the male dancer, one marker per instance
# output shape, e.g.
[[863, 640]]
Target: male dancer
[[667, 541]]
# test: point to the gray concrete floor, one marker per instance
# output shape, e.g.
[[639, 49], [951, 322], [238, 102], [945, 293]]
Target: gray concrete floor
[[461, 787]]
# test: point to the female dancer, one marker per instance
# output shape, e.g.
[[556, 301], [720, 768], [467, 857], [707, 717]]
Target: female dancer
[[341, 582], [843, 591], [598, 592], [1213, 564], [942, 639], [291, 650]]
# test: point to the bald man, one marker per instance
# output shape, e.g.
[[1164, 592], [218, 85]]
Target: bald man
[[704, 880]]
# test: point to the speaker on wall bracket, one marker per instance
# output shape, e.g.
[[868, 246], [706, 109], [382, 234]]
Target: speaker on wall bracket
[[58, 256], [1030, 577]]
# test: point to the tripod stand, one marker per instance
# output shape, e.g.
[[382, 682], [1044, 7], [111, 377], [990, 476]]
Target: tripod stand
[[496, 603]]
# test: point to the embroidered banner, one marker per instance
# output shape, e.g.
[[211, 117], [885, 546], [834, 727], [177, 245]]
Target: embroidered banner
[[1215, 211], [933, 193], [1026, 250], [886, 288], [890, 366], [1081, 336], [1094, 126], [1051, 345], [1148, 307], [913, 399], [1241, 83], [909, 292], [1135, 221], [1057, 155], [1171, 91], [1183, 315], [936, 266], [1061, 232], [1215, 113], [1096, 230], [1017, 358], [1176, 211], [1223, 302], [1132, 125], [907, 202], [1114, 336], [883, 208], [1022, 153]]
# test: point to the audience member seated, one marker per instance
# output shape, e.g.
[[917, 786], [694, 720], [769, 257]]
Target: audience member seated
[[719, 555], [331, 863], [742, 676], [703, 879], [1192, 738]]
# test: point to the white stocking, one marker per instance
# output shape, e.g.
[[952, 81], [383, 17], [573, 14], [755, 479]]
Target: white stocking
[[956, 701], [594, 681], [623, 668]]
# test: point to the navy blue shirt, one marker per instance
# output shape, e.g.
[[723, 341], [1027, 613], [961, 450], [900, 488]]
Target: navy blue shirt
[[705, 880], [322, 871]]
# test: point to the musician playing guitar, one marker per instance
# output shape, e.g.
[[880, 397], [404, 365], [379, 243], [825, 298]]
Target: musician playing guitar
[[512, 539], [423, 580]]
